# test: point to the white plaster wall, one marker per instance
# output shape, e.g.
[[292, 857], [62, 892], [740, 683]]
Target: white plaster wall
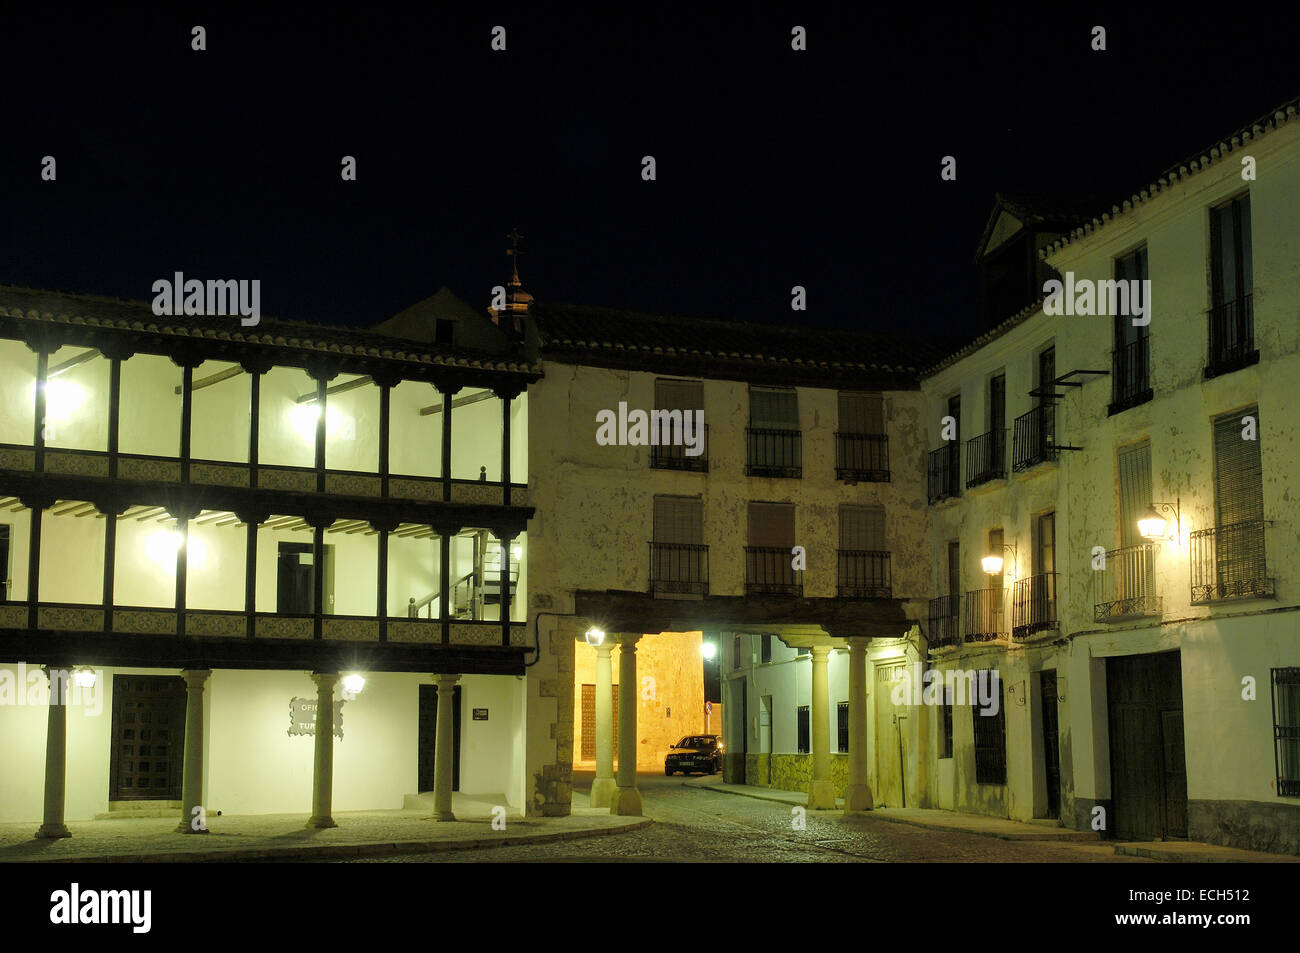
[[352, 428], [285, 437], [77, 403], [415, 443], [17, 392], [220, 415], [72, 559], [150, 420]]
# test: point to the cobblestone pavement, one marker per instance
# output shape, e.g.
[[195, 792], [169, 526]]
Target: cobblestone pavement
[[698, 825]]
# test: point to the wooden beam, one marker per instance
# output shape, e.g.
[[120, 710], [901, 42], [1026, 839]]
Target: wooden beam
[[69, 364], [457, 402], [211, 379], [337, 389]]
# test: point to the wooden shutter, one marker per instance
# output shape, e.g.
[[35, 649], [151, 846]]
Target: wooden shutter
[[998, 406], [954, 567], [862, 527], [1134, 490], [772, 408], [679, 519], [771, 524], [861, 413], [1238, 471], [678, 395]]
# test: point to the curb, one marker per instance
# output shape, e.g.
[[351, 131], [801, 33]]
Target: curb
[[1178, 857], [331, 851], [1062, 836], [762, 797]]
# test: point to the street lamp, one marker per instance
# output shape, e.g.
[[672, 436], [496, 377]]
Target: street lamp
[[595, 637], [708, 650], [992, 563], [1152, 525]]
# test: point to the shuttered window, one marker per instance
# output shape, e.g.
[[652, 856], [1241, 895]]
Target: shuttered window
[[679, 520], [861, 413], [998, 405], [773, 408], [1286, 730], [990, 737], [678, 395], [804, 725], [1134, 490], [1238, 471], [1129, 269], [954, 568], [842, 726], [1230, 253], [771, 524], [862, 527]]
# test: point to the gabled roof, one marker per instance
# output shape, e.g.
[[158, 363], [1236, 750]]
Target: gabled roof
[[1038, 213], [419, 322], [731, 350]]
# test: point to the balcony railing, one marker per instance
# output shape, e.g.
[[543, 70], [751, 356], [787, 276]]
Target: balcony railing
[[1034, 441], [1232, 337], [986, 458], [864, 574], [675, 457], [1130, 377], [768, 570], [1126, 586], [862, 457], [945, 620], [943, 475], [1033, 604], [1230, 562], [679, 568], [986, 615], [773, 453]]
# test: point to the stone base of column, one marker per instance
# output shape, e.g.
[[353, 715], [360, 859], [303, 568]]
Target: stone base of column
[[183, 828], [320, 822], [821, 796], [857, 797], [52, 831], [602, 792], [627, 802], [443, 816]]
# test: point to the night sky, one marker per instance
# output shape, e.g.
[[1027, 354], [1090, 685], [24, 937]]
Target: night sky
[[775, 167]]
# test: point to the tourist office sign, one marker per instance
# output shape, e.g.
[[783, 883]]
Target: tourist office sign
[[302, 716]]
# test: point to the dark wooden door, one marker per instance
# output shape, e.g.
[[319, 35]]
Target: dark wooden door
[[148, 744], [1148, 767], [295, 579], [1051, 743], [429, 736], [4, 562]]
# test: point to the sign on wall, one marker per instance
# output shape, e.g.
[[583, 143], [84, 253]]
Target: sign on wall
[[302, 716], [480, 714]]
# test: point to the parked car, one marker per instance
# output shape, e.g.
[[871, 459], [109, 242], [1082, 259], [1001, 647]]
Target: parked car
[[702, 753]]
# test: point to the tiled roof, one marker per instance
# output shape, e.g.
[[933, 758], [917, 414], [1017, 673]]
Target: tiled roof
[[1280, 116], [137, 316], [729, 349]]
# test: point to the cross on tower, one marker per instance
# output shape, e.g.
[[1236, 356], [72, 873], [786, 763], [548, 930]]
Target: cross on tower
[[513, 252]]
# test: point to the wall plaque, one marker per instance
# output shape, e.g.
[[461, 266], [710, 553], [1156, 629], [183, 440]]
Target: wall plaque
[[302, 716], [480, 714]]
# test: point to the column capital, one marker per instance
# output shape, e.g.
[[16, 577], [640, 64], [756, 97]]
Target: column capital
[[195, 678], [605, 648], [820, 652], [325, 680], [626, 640], [446, 681]]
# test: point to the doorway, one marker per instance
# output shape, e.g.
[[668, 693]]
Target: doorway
[[6, 532], [765, 736], [296, 579], [1051, 741], [1148, 767], [889, 736], [429, 737], [148, 746]]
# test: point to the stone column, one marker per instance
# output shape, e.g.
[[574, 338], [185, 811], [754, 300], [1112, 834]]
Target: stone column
[[56, 746], [627, 799], [443, 748], [192, 774], [603, 788], [857, 796], [322, 793], [821, 792]]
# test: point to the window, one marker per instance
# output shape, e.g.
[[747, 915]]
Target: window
[[1130, 361], [1034, 433], [986, 455], [861, 447], [684, 402], [997, 548], [945, 739], [775, 446], [768, 566], [864, 561], [736, 649], [842, 725], [444, 331], [6, 577], [1231, 317], [679, 560], [990, 736], [1126, 586], [1286, 730], [766, 655], [803, 722]]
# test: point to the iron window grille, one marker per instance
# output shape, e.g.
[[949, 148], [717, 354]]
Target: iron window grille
[[1033, 604], [864, 574], [986, 458], [986, 615], [943, 475], [675, 457], [945, 750], [842, 725], [768, 570], [804, 725], [1286, 730], [945, 620], [774, 453], [862, 457], [1034, 439], [1130, 377], [990, 738], [1230, 562], [1126, 585], [1232, 337], [765, 650], [679, 568]]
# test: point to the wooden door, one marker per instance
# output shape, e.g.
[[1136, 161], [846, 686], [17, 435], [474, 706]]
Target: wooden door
[[1051, 742], [1147, 754], [888, 745], [148, 741]]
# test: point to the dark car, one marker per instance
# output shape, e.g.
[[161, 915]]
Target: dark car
[[693, 753]]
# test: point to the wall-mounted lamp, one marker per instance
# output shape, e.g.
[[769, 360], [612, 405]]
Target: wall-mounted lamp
[[992, 563], [1152, 525], [595, 637], [83, 677], [352, 684]]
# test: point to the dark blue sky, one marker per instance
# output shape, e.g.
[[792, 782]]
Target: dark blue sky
[[775, 168]]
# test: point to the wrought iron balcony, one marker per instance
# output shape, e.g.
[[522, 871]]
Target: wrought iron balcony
[[1230, 562], [1130, 378], [1034, 441], [864, 574], [675, 457], [862, 457], [768, 570], [945, 620], [679, 568], [1033, 604], [986, 458], [1232, 337], [1126, 588], [986, 615], [943, 475], [773, 453]]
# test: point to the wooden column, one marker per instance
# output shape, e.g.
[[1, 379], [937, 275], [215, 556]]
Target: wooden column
[[187, 418], [114, 413], [38, 438]]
